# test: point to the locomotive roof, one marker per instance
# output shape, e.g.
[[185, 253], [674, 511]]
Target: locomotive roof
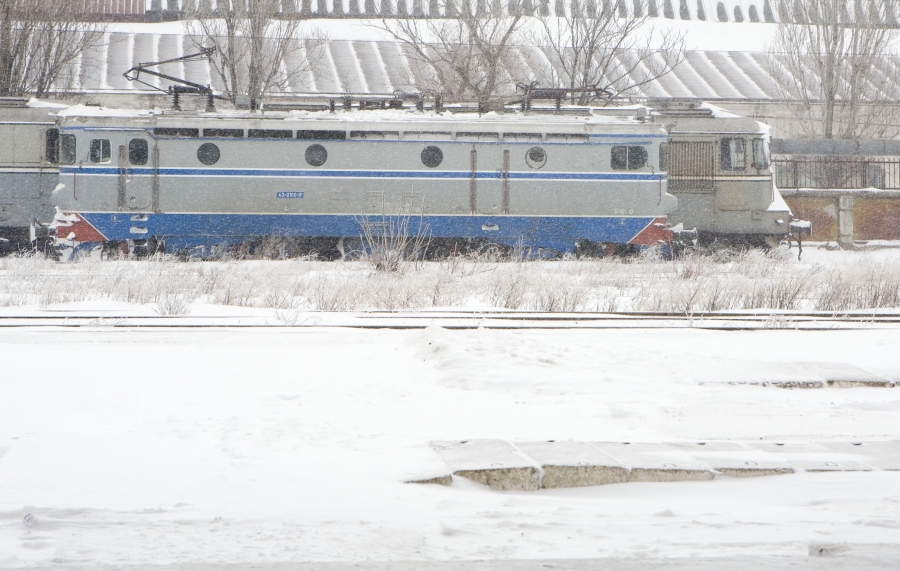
[[708, 119], [18, 110], [723, 125], [607, 119]]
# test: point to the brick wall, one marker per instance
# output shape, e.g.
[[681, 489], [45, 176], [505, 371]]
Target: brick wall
[[872, 215]]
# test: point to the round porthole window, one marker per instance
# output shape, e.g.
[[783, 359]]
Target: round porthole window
[[208, 154], [432, 157], [536, 157], [316, 155]]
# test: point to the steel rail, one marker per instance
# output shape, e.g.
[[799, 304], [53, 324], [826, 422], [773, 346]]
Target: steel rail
[[732, 321]]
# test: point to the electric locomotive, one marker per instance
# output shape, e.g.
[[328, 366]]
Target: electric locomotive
[[202, 181]]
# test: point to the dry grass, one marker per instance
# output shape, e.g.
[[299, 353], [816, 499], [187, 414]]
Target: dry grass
[[733, 281], [388, 244]]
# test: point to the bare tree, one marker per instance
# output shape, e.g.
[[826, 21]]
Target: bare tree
[[40, 43], [606, 46], [259, 48], [833, 63], [462, 54]]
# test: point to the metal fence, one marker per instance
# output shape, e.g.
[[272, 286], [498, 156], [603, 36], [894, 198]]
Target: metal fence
[[837, 173]]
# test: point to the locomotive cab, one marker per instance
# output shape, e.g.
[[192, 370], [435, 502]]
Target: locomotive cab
[[28, 154], [720, 170]]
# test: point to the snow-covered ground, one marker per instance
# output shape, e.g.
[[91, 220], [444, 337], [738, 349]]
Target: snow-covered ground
[[134, 446]]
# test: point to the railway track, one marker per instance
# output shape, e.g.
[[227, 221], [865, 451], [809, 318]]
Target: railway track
[[729, 321]]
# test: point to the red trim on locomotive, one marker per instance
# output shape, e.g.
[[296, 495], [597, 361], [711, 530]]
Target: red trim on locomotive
[[655, 232]]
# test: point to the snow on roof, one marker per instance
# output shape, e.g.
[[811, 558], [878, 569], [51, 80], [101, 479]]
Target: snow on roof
[[718, 112], [384, 119], [40, 103], [94, 111]]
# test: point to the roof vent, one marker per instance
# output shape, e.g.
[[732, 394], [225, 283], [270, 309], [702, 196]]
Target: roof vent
[[679, 107]]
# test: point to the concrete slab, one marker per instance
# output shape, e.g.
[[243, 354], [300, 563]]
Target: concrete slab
[[668, 474], [503, 479], [733, 459], [862, 447], [737, 468], [705, 447], [814, 457], [443, 480], [475, 454], [533, 465], [770, 374], [844, 374], [881, 455], [427, 469], [831, 466], [573, 464], [656, 463], [798, 384], [494, 463], [788, 447], [811, 384], [884, 384]]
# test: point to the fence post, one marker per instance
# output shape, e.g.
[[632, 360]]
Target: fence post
[[845, 222]]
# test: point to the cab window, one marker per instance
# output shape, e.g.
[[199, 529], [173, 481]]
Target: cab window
[[101, 151], [51, 149], [732, 154], [138, 151], [628, 158], [67, 149], [760, 153]]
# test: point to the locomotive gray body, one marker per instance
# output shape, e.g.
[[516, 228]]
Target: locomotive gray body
[[203, 181], [28, 170]]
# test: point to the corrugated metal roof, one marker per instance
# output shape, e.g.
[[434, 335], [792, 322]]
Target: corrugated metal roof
[[359, 64], [750, 11]]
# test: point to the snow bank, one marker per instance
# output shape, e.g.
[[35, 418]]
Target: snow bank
[[244, 446]]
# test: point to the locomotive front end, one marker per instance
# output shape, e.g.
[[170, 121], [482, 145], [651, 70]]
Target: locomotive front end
[[719, 167]]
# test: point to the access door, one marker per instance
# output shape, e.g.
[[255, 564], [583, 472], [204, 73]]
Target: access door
[[489, 179], [28, 149], [138, 173]]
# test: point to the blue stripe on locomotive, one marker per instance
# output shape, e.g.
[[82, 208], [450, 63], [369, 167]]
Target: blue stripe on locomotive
[[182, 231], [496, 175]]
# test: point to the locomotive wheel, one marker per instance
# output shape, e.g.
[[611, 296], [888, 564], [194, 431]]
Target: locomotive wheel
[[773, 242], [110, 251]]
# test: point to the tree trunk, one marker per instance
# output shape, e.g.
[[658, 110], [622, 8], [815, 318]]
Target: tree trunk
[[6, 48]]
